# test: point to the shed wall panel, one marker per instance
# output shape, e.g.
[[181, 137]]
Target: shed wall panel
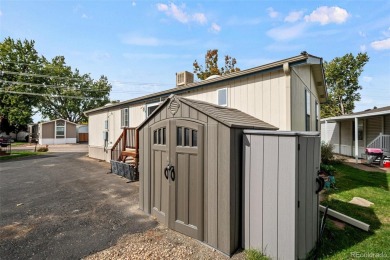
[[212, 183], [287, 184], [302, 155], [224, 176], [270, 196], [256, 186]]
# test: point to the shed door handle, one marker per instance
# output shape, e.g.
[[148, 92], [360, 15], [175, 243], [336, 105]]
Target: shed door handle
[[173, 175], [166, 171]]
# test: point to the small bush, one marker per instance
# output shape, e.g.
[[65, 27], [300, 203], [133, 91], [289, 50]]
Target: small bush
[[327, 153], [43, 149], [253, 254], [329, 169]]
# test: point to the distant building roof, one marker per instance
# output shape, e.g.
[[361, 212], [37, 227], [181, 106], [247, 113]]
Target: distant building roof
[[365, 113]]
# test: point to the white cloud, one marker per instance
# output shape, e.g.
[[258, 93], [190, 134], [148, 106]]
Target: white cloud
[[362, 34], [381, 45], [162, 7], [1, 13], [133, 3], [367, 79], [294, 16], [200, 18], [363, 48], [84, 16], [325, 15], [272, 13], [178, 13], [287, 32], [215, 28]]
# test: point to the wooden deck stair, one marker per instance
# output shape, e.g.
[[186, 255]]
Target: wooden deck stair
[[125, 149]]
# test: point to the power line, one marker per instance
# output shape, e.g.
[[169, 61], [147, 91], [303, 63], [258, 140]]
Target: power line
[[63, 86], [58, 77], [37, 75], [47, 95]]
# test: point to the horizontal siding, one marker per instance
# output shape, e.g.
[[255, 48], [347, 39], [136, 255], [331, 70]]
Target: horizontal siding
[[346, 138]]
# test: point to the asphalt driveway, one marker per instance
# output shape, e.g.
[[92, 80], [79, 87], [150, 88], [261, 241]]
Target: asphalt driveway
[[64, 206]]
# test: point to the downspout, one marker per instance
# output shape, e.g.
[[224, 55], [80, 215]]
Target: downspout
[[356, 140], [287, 74]]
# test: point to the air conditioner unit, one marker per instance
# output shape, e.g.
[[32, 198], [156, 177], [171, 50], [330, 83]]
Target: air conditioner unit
[[184, 78]]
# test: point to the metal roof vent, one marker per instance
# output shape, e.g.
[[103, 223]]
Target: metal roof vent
[[184, 78]]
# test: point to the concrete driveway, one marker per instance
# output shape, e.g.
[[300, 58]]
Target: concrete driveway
[[64, 205]]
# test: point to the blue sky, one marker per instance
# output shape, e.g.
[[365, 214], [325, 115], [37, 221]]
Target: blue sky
[[140, 45]]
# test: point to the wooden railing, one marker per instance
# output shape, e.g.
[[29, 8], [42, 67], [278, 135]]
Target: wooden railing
[[382, 142], [128, 139]]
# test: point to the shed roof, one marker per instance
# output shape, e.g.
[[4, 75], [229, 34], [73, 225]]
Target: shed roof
[[365, 113], [230, 117], [303, 58]]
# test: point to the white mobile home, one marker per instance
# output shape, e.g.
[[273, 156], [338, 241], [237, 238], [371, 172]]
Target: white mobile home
[[286, 94], [364, 128]]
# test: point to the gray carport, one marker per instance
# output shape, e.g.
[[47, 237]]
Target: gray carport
[[191, 169]]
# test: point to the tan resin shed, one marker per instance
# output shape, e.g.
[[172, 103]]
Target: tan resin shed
[[191, 169]]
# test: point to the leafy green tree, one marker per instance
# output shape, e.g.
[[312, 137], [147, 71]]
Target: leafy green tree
[[71, 93], [18, 59], [211, 65], [30, 83], [342, 78]]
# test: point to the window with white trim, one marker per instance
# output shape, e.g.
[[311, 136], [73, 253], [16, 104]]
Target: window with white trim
[[60, 129], [125, 117], [307, 110], [150, 108], [222, 97]]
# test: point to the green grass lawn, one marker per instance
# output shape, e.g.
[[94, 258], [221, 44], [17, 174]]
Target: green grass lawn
[[18, 154], [15, 144], [351, 242]]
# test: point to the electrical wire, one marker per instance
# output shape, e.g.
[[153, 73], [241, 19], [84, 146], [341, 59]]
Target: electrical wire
[[36, 75], [70, 78], [63, 86], [47, 95]]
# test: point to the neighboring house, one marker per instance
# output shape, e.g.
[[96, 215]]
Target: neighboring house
[[82, 133], [33, 133], [286, 94], [369, 128], [57, 131]]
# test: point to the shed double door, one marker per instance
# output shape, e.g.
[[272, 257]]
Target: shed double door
[[177, 175]]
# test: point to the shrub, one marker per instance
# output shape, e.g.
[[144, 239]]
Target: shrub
[[253, 254], [43, 149], [327, 153]]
